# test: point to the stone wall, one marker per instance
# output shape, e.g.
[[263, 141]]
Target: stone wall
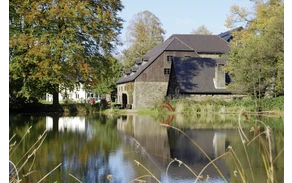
[[121, 88], [148, 94], [218, 96]]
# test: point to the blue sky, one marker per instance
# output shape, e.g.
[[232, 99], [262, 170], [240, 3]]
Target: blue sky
[[181, 17]]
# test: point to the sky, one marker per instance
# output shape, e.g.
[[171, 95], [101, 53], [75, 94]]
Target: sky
[[181, 17]]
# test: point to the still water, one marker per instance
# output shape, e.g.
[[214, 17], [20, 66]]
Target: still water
[[99, 148]]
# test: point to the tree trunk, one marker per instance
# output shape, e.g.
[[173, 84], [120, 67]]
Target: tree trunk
[[55, 123], [55, 99]]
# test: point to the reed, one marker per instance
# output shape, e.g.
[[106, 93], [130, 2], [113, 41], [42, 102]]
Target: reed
[[16, 170], [264, 138], [243, 169]]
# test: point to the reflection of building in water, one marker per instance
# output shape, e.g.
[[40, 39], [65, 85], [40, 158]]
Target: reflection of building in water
[[123, 123], [148, 132], [168, 142], [75, 124], [219, 143], [181, 147]]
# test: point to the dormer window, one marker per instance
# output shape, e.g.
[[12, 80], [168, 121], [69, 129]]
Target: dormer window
[[145, 58], [138, 62], [169, 59]]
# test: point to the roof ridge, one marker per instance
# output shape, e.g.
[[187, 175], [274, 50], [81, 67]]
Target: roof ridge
[[170, 41], [185, 44], [228, 44]]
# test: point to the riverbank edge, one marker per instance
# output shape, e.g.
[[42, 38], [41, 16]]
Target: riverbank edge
[[71, 110]]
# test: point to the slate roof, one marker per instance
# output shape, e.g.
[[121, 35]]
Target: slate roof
[[152, 55], [204, 43], [179, 42], [178, 45], [195, 74], [145, 58], [227, 36]]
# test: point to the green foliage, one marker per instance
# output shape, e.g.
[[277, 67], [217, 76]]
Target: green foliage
[[221, 106], [276, 103], [143, 33], [59, 44], [112, 71], [256, 60], [130, 90]]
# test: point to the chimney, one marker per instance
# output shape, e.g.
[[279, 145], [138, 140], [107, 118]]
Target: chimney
[[219, 77]]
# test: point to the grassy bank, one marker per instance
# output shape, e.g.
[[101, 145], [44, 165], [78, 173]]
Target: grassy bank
[[181, 106], [272, 106]]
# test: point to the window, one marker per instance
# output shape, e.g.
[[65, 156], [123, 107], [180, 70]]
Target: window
[[169, 59], [77, 95], [166, 70]]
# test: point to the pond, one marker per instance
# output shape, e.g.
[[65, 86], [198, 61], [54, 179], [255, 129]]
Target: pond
[[128, 148]]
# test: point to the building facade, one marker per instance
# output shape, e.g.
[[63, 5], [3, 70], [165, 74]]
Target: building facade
[[146, 83]]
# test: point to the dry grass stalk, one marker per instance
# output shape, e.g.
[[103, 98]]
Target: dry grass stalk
[[75, 178], [199, 149], [14, 173], [179, 164], [265, 143]]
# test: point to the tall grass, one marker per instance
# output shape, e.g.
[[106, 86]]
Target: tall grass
[[217, 105], [242, 168], [263, 134], [18, 168]]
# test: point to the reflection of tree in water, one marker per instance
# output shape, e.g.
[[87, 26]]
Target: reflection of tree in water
[[86, 158], [18, 124]]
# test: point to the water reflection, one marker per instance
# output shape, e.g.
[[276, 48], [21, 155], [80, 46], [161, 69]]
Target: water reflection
[[191, 153], [219, 143], [163, 144], [74, 124], [93, 147]]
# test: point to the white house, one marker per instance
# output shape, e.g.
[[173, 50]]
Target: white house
[[79, 95]]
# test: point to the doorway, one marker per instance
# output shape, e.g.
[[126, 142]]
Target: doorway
[[124, 100]]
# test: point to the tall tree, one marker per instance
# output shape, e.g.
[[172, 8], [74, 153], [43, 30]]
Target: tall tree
[[143, 33], [203, 30], [57, 44], [113, 70], [256, 59]]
